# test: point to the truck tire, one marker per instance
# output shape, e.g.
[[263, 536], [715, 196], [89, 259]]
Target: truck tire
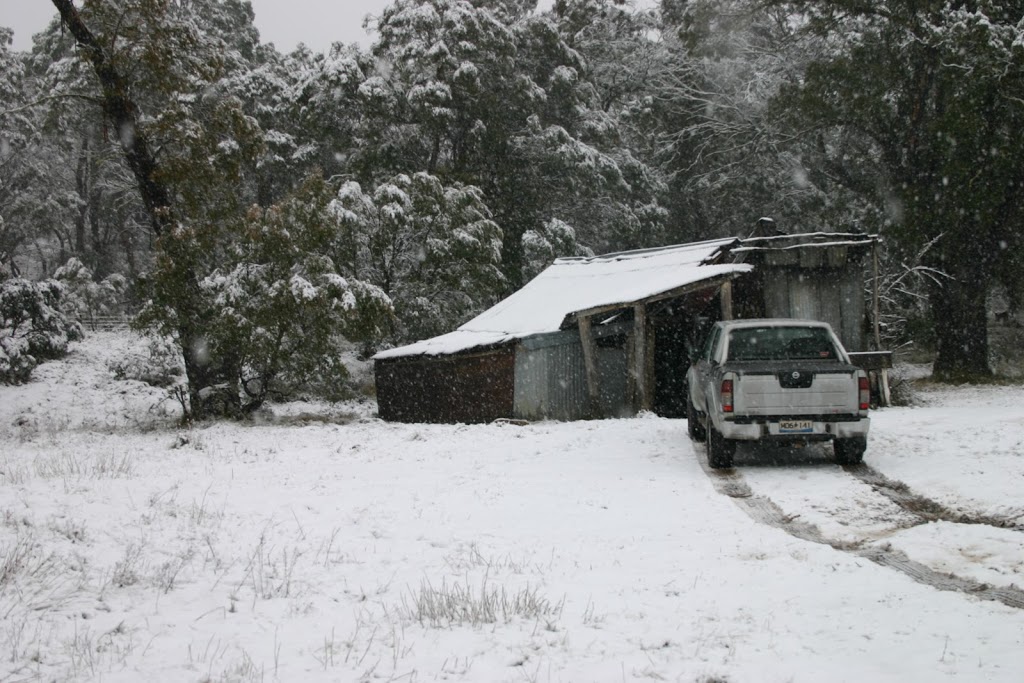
[[850, 451], [720, 449], [694, 424]]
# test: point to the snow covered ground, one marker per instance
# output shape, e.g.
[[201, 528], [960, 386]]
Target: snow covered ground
[[344, 548]]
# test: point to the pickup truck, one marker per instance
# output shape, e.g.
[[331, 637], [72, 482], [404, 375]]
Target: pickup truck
[[776, 380]]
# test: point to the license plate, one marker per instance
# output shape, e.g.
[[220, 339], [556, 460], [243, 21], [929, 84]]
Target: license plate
[[795, 426]]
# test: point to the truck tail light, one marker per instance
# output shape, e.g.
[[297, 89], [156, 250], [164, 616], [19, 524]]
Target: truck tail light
[[865, 393], [726, 395]]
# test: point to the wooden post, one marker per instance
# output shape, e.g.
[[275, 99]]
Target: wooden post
[[642, 358], [649, 364], [590, 363], [874, 297], [632, 382], [884, 373], [726, 294]]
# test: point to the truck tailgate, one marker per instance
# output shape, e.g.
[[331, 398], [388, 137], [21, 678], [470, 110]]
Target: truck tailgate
[[828, 393]]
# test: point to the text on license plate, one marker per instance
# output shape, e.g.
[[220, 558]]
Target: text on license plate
[[795, 426]]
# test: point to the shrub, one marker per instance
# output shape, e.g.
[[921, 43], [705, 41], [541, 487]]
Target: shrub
[[86, 298], [160, 365], [33, 327]]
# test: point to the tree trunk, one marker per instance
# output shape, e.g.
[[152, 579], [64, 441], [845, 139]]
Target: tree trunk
[[961, 322], [512, 256], [212, 391], [122, 111], [82, 183], [97, 244]]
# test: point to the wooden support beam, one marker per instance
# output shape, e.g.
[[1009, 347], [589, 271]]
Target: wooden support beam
[[590, 364], [877, 314], [632, 381], [727, 300], [641, 356], [710, 283], [649, 364]]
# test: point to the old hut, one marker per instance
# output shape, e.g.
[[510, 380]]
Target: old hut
[[811, 276], [612, 335]]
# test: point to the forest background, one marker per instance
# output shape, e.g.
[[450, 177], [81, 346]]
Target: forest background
[[260, 208]]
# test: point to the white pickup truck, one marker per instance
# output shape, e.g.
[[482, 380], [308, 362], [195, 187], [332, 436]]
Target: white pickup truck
[[772, 380]]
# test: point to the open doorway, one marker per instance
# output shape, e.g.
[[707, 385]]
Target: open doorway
[[680, 326]]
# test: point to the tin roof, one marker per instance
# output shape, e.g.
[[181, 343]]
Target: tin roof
[[573, 285]]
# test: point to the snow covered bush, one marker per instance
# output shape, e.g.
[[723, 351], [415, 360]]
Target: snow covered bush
[[33, 327], [160, 365], [86, 298]]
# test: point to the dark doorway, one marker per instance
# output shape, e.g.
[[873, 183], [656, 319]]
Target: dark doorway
[[680, 326]]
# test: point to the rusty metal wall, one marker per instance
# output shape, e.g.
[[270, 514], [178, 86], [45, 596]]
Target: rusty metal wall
[[468, 388]]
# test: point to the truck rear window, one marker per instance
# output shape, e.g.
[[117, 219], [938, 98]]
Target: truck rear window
[[781, 343]]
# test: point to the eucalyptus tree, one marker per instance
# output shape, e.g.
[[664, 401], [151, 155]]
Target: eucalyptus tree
[[32, 206], [611, 53], [16, 129], [492, 95], [100, 220], [250, 300], [714, 126], [432, 249], [932, 96], [308, 108]]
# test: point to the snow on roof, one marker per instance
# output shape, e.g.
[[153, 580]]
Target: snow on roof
[[571, 285]]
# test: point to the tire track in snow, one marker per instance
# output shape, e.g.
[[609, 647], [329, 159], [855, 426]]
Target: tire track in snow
[[731, 483], [925, 508]]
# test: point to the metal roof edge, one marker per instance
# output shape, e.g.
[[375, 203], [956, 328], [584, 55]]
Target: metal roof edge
[[619, 255]]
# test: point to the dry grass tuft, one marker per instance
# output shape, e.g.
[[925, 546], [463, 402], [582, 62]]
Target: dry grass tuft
[[458, 603]]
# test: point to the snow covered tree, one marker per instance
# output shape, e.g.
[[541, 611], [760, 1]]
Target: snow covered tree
[[432, 249], [711, 126], [30, 202], [933, 93], [159, 67], [308, 107], [280, 305], [554, 239], [12, 140], [492, 95]]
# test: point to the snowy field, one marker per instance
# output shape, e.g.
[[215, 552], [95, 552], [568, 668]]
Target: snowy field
[[327, 545]]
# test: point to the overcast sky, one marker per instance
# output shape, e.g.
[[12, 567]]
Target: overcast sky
[[285, 23]]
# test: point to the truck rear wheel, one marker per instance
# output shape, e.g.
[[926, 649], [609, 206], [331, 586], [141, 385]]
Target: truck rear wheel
[[720, 449], [850, 451], [694, 425]]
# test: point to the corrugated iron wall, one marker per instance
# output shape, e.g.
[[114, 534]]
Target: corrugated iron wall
[[468, 388], [550, 377]]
